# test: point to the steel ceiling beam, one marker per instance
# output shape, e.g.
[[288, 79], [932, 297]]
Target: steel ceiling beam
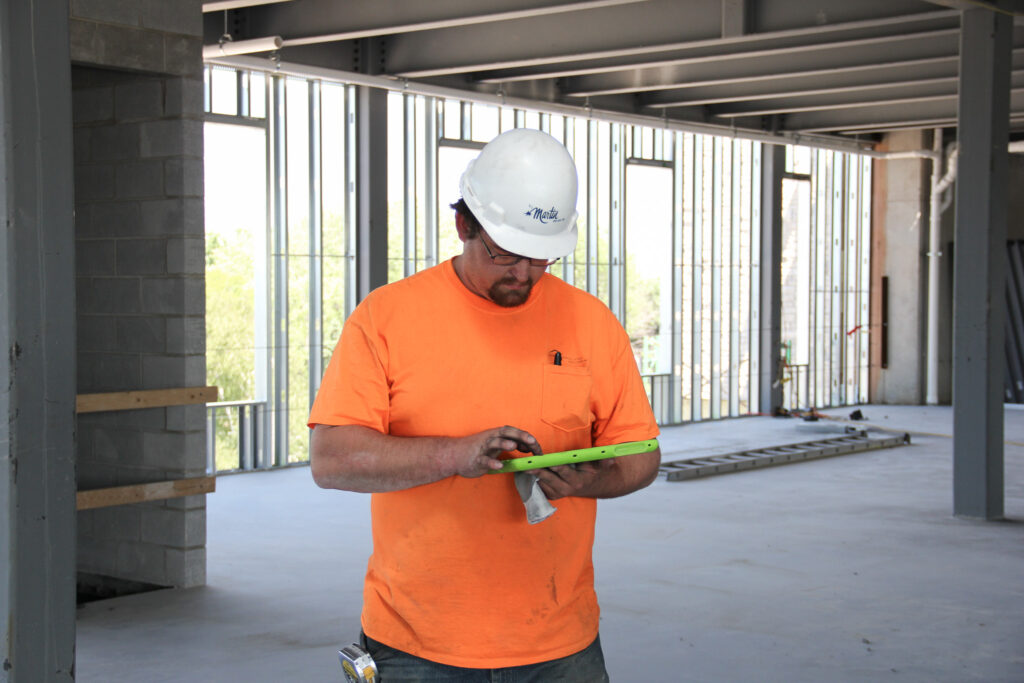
[[811, 81], [656, 55], [1005, 6], [317, 21], [923, 114], [907, 93], [833, 55], [664, 31]]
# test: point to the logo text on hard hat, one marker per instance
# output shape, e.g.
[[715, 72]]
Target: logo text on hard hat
[[545, 217]]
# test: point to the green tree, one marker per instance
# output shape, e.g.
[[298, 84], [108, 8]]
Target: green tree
[[229, 333]]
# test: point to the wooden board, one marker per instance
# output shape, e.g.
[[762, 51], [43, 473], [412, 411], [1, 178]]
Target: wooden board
[[137, 493], [153, 398]]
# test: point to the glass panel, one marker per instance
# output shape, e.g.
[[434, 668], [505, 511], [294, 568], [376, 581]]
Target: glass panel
[[335, 258], [796, 290], [800, 157], [508, 118], [420, 140], [581, 154], [235, 167], [258, 96], [452, 119], [604, 204], [746, 273], [485, 122], [649, 266], [396, 185], [686, 305], [225, 91], [297, 127], [451, 162]]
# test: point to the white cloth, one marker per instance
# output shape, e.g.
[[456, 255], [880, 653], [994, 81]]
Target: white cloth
[[538, 507]]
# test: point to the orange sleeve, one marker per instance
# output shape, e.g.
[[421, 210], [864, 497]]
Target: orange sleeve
[[354, 388]]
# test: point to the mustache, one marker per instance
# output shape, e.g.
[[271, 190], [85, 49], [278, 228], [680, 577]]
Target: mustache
[[512, 280]]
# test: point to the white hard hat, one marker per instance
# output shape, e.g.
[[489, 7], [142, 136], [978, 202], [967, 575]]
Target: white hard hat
[[522, 190]]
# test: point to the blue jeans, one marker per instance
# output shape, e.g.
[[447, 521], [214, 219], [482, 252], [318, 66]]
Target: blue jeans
[[395, 666]]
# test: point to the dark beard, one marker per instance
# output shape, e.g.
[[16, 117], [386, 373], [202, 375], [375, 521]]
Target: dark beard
[[509, 298]]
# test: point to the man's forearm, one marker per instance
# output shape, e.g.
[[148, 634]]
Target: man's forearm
[[355, 458], [628, 474]]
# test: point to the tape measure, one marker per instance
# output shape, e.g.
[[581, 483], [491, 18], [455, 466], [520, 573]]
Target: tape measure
[[357, 664]]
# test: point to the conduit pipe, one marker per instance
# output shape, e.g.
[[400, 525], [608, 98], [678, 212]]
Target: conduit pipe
[[937, 206], [500, 99], [242, 47], [940, 183]]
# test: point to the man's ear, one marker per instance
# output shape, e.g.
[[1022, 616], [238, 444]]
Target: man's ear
[[462, 227]]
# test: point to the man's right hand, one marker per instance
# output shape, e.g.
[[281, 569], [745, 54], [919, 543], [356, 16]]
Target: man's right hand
[[477, 454]]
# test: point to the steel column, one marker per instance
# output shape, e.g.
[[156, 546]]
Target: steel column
[[773, 165], [37, 335], [979, 264], [372, 189]]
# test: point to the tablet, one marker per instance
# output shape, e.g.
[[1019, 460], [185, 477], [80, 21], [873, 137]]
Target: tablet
[[534, 462]]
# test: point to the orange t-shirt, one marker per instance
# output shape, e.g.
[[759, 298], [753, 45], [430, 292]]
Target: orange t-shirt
[[457, 574]]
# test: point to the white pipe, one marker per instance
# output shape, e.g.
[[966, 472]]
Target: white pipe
[[242, 47], [221, 5], [499, 99], [934, 254], [939, 186]]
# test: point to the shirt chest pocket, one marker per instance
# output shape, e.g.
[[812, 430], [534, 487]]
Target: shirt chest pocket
[[565, 397]]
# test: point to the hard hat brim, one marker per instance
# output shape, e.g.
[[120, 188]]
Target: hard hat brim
[[514, 240]]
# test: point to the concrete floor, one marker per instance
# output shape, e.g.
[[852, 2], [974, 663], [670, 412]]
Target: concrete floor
[[843, 569]]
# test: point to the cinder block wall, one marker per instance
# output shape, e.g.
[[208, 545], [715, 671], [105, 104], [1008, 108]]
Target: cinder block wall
[[137, 107]]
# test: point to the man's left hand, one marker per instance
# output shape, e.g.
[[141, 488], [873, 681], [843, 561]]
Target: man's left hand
[[572, 480]]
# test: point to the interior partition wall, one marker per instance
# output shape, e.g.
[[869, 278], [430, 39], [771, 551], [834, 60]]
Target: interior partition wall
[[825, 279], [669, 238]]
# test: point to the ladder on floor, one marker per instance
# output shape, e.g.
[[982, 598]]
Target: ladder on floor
[[706, 466]]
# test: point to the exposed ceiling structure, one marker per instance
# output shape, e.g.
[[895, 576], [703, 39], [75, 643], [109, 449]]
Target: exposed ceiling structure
[[809, 67]]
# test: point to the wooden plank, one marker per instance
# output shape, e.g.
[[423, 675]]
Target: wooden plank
[[153, 398], [137, 493]]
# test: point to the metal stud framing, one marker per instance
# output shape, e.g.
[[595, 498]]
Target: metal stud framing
[[315, 255], [717, 275], [279, 259]]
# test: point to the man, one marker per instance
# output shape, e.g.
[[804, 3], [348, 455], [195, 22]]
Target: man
[[439, 376]]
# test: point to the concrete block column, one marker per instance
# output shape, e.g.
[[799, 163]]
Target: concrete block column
[[140, 281]]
